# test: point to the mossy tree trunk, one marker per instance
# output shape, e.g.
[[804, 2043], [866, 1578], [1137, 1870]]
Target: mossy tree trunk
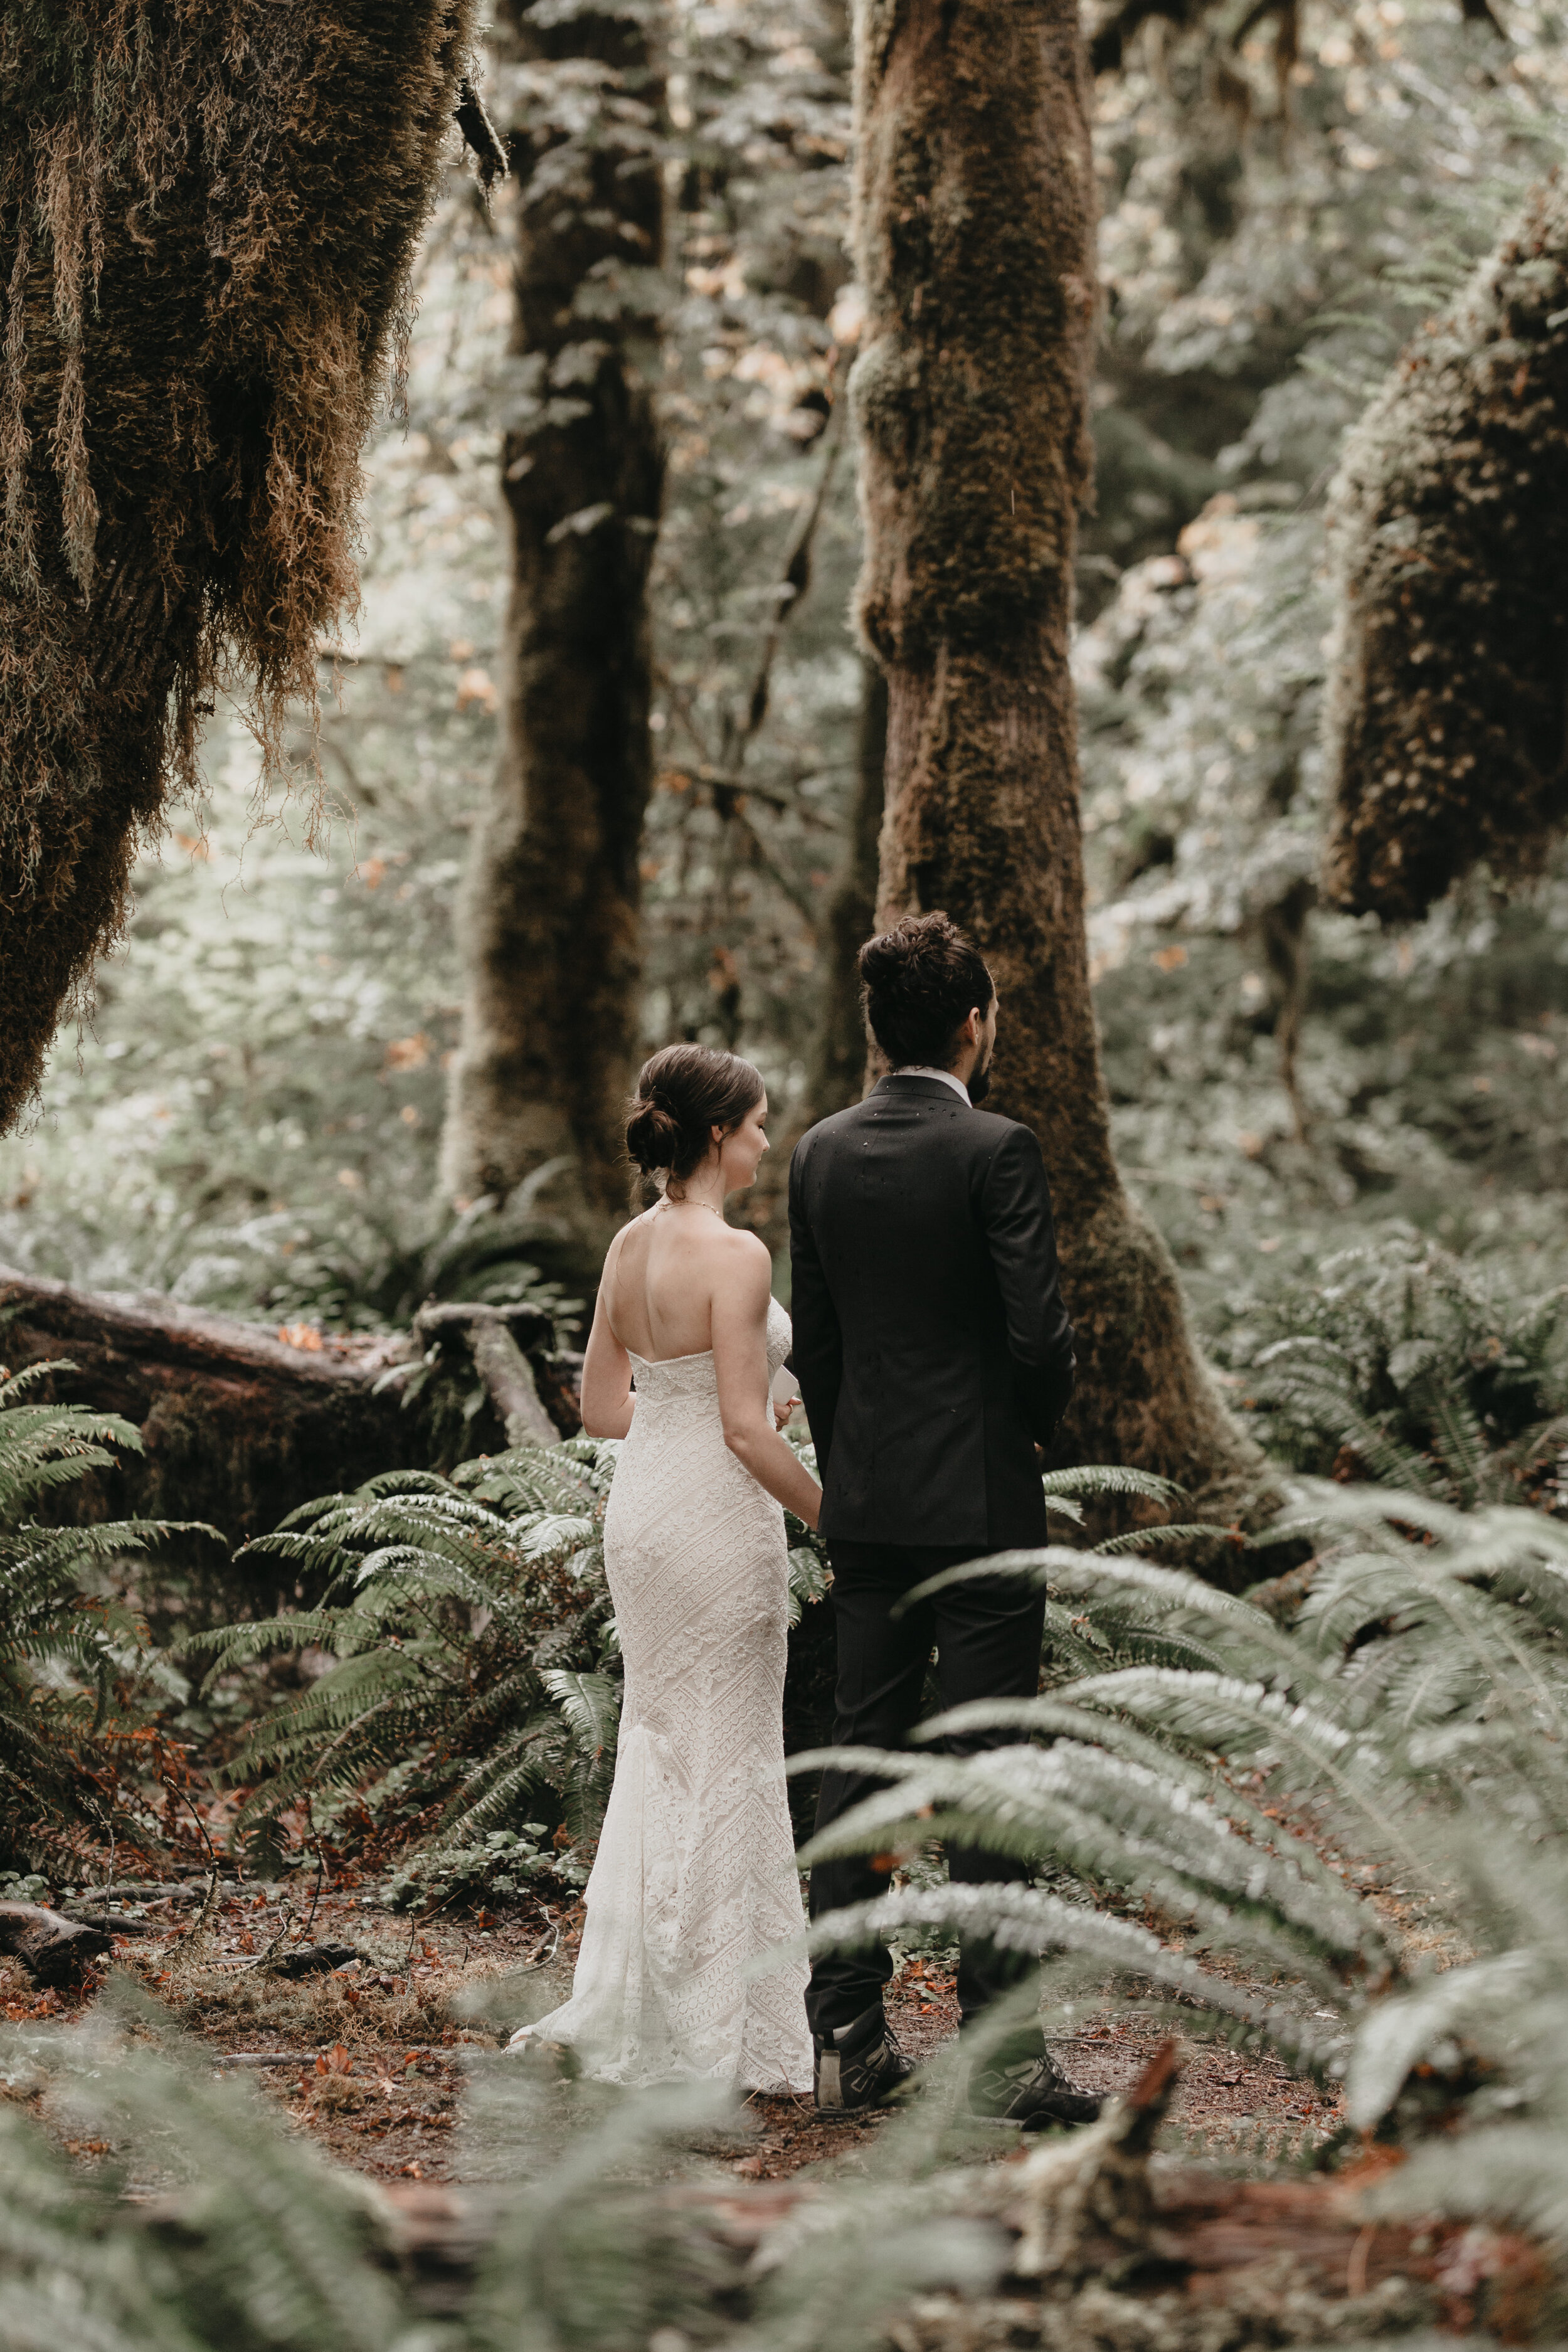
[[974, 224], [549, 918]]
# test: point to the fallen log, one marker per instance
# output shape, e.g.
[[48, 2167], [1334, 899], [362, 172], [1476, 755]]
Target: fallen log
[[52, 1948], [113, 1923], [241, 1423], [151, 1890], [1087, 2241], [1099, 2243], [493, 1334]]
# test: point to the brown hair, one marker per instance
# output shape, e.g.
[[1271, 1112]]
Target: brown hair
[[683, 1094], [918, 982]]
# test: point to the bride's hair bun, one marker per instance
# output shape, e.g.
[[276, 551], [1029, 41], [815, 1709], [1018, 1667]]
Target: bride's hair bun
[[683, 1094], [652, 1136]]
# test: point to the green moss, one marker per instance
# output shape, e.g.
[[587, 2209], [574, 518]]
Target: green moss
[[1449, 530], [206, 217]]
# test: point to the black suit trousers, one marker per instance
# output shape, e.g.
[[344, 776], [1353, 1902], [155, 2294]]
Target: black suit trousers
[[988, 1637]]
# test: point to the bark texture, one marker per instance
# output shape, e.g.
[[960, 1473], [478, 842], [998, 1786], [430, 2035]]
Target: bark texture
[[974, 227], [838, 1065], [52, 1948], [206, 217], [550, 921], [1448, 710]]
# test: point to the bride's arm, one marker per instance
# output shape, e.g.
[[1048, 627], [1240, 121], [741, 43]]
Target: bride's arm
[[741, 1363], [607, 1399]]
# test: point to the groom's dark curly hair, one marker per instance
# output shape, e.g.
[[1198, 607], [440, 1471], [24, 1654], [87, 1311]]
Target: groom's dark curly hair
[[917, 983]]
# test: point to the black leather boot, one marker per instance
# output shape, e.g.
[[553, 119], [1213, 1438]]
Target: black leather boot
[[859, 2066], [1019, 2084]]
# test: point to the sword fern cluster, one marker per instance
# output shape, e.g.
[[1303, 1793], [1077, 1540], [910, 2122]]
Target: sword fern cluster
[[1213, 1801], [1434, 1376], [473, 1684]]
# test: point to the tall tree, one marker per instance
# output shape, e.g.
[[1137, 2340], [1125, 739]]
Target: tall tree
[[974, 207], [206, 218], [550, 916]]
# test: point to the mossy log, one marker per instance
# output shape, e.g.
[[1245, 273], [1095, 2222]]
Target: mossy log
[[1447, 710], [1097, 2250], [241, 1423], [207, 214], [975, 208]]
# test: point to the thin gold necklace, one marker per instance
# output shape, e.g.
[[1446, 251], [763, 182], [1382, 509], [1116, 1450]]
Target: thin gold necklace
[[684, 1203]]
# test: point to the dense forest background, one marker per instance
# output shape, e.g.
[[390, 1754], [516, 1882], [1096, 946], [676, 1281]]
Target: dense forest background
[[1304, 1848], [251, 1117]]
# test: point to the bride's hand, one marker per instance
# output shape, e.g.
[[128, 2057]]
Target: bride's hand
[[781, 1412]]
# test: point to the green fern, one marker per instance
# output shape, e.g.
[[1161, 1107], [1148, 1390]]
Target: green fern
[[474, 1684], [79, 1681], [1419, 1365], [1415, 1715], [275, 2251]]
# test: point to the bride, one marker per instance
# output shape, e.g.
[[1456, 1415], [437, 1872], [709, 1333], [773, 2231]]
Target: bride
[[695, 1880]]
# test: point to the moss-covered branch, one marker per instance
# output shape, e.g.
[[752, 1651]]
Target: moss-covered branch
[[207, 209], [1450, 528]]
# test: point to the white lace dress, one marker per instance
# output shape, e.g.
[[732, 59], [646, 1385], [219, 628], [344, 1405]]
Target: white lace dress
[[695, 1880]]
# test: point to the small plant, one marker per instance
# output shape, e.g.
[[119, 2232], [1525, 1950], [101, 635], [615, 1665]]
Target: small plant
[[504, 1864]]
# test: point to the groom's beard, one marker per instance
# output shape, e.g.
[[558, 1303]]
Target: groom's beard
[[979, 1082]]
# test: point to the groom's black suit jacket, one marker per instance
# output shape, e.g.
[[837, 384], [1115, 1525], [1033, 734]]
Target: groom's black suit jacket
[[930, 1342]]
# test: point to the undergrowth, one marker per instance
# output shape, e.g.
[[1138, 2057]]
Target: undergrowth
[[471, 1680], [1413, 1365], [465, 1720], [1409, 1724], [80, 1686]]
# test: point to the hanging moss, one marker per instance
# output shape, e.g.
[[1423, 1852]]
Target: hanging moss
[[207, 211], [1449, 532]]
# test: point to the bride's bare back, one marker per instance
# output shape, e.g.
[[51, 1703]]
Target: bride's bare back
[[661, 1276], [678, 1281]]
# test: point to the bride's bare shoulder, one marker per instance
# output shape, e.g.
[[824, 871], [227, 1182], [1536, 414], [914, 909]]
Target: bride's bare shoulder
[[633, 1230], [743, 1258]]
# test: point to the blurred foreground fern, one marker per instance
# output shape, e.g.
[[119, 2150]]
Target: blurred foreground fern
[[1409, 1732]]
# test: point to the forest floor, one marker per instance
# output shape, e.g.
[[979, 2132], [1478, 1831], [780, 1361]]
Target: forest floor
[[371, 2060]]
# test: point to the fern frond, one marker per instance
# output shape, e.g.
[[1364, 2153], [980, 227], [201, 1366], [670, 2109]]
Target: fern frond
[[1110, 1478], [1026, 1918]]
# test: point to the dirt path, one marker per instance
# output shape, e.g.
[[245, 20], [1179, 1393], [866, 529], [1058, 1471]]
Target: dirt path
[[371, 2059], [374, 2056]]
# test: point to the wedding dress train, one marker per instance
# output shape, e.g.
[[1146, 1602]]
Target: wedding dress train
[[694, 1881]]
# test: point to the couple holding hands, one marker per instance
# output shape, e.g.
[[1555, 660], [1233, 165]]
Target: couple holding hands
[[934, 1359]]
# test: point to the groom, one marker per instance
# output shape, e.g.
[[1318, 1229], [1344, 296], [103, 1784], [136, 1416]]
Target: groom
[[935, 1358]]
